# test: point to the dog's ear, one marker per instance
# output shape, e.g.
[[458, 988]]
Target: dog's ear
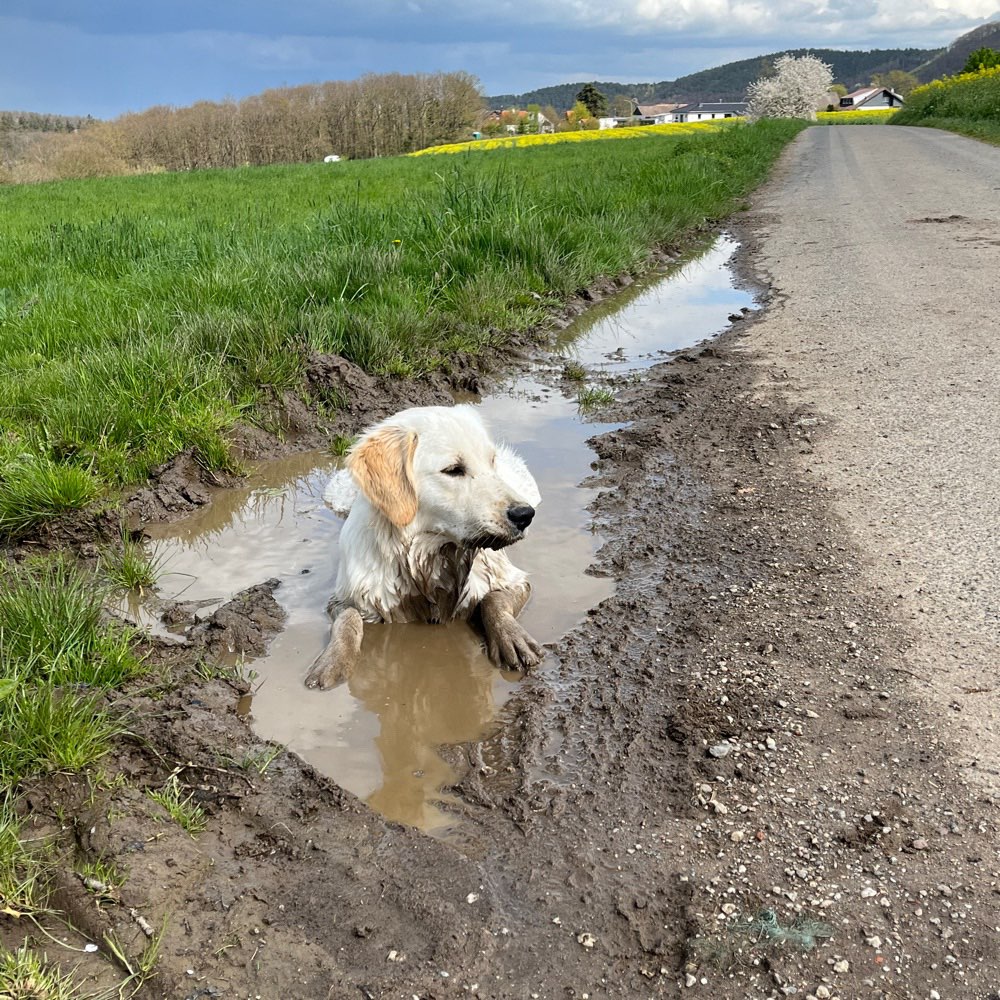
[[382, 465]]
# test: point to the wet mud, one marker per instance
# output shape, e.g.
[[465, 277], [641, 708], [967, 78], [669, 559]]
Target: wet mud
[[716, 784]]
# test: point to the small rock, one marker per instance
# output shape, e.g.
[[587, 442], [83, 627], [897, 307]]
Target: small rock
[[472, 897], [586, 939], [867, 892], [720, 750], [920, 844], [842, 966], [690, 980], [875, 941], [822, 992], [771, 743], [737, 836]]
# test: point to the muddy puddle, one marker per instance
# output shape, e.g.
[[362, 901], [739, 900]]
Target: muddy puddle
[[423, 687]]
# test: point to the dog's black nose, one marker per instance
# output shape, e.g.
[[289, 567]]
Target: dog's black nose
[[521, 515]]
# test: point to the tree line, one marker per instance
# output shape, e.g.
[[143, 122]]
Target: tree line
[[376, 115]]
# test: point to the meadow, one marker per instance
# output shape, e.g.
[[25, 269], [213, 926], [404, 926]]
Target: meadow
[[968, 104], [146, 315]]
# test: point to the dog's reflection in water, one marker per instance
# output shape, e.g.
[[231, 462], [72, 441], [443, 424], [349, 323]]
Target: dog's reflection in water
[[429, 686]]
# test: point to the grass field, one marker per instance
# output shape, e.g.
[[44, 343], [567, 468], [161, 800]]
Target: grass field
[[968, 104], [142, 316]]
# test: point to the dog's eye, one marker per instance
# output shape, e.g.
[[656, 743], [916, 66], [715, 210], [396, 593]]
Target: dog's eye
[[454, 470]]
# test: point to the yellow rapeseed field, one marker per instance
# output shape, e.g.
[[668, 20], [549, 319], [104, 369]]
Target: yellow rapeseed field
[[580, 135], [871, 116]]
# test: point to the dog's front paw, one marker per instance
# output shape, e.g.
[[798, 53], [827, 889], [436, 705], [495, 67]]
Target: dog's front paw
[[336, 663], [510, 646], [325, 674]]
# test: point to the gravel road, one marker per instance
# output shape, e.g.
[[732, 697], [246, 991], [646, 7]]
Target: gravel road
[[883, 246]]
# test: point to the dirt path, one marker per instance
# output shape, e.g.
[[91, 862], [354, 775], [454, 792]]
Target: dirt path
[[728, 781], [884, 246]]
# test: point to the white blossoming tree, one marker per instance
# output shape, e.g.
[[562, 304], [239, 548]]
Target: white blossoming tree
[[798, 87]]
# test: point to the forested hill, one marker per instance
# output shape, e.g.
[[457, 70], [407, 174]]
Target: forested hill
[[951, 60], [729, 82], [33, 121]]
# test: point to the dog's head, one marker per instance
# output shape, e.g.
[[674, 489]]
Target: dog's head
[[435, 468]]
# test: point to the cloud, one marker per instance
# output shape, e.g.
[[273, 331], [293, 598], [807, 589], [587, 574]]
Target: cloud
[[108, 56]]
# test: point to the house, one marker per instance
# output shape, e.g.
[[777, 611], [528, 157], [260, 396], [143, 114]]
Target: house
[[512, 121], [871, 97], [708, 110], [642, 114]]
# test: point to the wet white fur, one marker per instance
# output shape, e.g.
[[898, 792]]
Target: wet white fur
[[383, 566]]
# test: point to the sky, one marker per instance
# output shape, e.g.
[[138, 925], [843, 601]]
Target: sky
[[106, 57]]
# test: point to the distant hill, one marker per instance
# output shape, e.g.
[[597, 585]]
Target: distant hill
[[729, 82], [949, 61]]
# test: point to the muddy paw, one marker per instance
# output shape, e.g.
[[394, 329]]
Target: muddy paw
[[510, 646], [336, 663]]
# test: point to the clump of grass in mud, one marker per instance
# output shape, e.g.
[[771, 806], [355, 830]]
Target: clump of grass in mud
[[744, 938], [131, 567], [57, 656], [129, 334], [261, 760], [180, 807], [141, 968], [102, 879], [26, 975], [24, 872], [593, 398], [341, 444], [34, 488], [574, 371]]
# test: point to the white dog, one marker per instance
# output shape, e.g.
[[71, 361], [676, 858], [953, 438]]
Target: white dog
[[432, 503]]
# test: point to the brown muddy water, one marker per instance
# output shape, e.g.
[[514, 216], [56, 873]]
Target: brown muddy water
[[422, 687]]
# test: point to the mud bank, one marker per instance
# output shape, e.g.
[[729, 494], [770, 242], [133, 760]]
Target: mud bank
[[716, 786]]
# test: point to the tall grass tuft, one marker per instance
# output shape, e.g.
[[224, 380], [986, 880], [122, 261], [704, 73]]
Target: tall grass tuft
[[57, 656], [34, 488]]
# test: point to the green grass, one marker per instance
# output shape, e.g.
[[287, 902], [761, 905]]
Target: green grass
[[57, 656], [181, 808], [26, 975], [131, 567], [23, 872], [592, 398], [968, 104], [142, 316]]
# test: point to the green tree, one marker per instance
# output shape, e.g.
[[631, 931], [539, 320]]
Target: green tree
[[595, 101], [983, 58], [898, 80], [839, 89], [580, 117]]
